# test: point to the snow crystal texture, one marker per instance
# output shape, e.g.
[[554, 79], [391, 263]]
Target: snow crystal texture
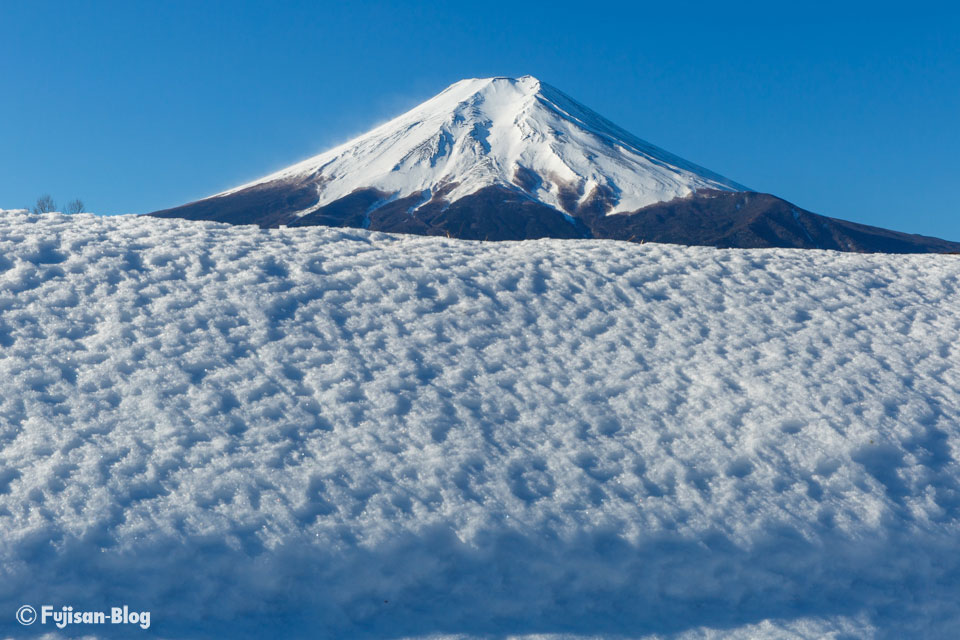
[[325, 433]]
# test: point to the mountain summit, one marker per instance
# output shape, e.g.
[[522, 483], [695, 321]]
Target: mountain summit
[[514, 158], [520, 134]]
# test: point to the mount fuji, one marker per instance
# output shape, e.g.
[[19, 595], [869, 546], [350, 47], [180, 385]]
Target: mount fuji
[[512, 159]]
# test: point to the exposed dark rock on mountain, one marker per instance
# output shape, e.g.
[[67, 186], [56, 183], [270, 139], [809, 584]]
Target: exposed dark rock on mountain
[[734, 219], [756, 220]]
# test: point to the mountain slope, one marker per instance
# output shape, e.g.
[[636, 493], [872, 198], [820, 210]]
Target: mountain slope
[[757, 221], [511, 159], [519, 135]]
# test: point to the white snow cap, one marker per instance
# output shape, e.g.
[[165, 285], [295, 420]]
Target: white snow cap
[[518, 133]]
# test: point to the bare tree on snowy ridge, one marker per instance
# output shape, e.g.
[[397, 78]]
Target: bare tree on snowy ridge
[[44, 204], [75, 206]]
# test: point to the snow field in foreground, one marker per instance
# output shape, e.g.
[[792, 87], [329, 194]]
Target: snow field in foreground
[[337, 433]]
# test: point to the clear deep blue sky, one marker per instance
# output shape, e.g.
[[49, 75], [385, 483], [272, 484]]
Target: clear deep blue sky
[[849, 110]]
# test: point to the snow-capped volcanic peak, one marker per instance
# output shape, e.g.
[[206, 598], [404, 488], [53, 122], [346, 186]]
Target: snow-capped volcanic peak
[[516, 133]]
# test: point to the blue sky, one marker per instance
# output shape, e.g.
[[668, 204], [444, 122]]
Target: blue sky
[[849, 110]]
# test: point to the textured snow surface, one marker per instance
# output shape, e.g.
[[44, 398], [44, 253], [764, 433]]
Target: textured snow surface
[[483, 132], [324, 433]]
